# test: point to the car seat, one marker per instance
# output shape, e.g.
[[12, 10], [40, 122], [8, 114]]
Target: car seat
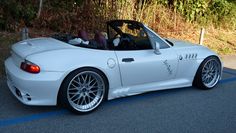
[[100, 40], [83, 35]]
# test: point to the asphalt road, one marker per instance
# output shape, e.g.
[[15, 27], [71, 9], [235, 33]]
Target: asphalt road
[[182, 110]]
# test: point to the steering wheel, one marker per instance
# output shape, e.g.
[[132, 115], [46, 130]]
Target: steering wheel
[[115, 36], [124, 37], [127, 41]]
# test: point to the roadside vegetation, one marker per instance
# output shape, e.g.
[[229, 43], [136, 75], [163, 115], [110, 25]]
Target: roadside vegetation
[[180, 19]]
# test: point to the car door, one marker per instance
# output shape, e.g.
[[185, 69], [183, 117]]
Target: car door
[[138, 67]]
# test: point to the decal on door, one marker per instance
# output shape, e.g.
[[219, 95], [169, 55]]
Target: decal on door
[[168, 67]]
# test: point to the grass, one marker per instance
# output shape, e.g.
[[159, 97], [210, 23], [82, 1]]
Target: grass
[[220, 41]]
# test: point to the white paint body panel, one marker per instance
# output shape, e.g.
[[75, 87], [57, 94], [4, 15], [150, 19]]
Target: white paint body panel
[[148, 71]]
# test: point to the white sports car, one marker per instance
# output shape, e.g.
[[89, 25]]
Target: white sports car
[[129, 59]]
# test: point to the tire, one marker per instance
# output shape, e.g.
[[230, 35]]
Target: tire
[[83, 90], [208, 73]]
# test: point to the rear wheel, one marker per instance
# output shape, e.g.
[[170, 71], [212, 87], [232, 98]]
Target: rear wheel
[[208, 74], [83, 90]]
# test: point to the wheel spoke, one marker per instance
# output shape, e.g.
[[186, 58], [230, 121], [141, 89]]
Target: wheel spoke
[[212, 68], [210, 65], [73, 96], [93, 80], [86, 76], [89, 79], [89, 98], [73, 93], [95, 90], [204, 77], [91, 86], [210, 79], [78, 96], [92, 92], [207, 66], [71, 89], [77, 82], [73, 85], [84, 98], [79, 79]]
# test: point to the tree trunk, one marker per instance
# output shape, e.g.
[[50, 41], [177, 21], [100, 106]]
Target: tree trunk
[[40, 8]]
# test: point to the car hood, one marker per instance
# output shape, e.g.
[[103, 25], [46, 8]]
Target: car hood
[[180, 43], [32, 46]]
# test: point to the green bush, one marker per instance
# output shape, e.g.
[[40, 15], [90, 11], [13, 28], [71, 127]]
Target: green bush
[[206, 11]]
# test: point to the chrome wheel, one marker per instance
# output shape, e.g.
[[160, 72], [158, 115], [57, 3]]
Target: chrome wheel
[[86, 91], [211, 73]]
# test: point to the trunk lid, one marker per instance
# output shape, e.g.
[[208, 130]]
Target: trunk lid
[[28, 47], [37, 45]]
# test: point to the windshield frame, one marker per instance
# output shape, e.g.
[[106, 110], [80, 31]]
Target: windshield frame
[[156, 35]]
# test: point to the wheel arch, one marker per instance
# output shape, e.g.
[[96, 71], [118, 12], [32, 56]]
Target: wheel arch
[[193, 82], [84, 67]]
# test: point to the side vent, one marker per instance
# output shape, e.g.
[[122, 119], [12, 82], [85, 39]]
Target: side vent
[[190, 56]]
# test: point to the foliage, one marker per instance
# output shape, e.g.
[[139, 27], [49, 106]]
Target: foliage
[[16, 13], [63, 15], [223, 12], [206, 11], [191, 9]]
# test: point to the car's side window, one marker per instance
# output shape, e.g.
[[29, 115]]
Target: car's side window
[[133, 37], [134, 42], [155, 38]]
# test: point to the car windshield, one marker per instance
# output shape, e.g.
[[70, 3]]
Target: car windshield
[[154, 37]]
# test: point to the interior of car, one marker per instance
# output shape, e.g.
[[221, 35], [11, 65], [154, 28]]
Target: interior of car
[[120, 35]]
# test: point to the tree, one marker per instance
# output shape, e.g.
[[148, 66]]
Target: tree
[[40, 8]]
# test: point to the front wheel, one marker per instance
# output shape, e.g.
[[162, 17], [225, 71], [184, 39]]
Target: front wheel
[[208, 74], [83, 90]]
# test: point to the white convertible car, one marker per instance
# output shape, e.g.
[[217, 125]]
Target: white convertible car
[[80, 73]]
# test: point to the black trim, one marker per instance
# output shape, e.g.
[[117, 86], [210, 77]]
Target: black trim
[[127, 59]]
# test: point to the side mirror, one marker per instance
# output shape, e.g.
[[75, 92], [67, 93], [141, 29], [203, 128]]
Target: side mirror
[[157, 48]]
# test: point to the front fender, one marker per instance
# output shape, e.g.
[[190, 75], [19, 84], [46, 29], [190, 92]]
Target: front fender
[[191, 58]]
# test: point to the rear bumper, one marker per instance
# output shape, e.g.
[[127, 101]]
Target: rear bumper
[[33, 89]]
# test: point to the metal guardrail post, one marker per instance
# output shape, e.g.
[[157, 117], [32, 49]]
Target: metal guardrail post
[[24, 33], [201, 36]]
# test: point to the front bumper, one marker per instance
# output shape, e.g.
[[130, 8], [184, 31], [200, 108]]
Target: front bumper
[[33, 89]]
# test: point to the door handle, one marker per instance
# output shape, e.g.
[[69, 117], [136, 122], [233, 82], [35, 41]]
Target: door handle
[[127, 59]]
